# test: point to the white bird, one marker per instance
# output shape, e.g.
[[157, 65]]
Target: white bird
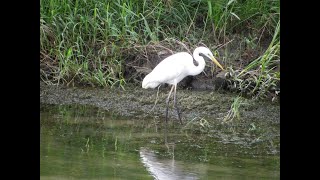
[[174, 68]]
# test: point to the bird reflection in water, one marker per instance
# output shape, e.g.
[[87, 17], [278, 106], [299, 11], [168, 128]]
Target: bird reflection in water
[[164, 169]]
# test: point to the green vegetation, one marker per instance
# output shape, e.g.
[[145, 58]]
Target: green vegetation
[[109, 43], [234, 110], [260, 76]]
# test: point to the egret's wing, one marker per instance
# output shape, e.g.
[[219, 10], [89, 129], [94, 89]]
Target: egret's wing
[[172, 67]]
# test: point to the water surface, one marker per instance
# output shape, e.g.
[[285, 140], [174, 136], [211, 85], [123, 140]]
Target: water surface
[[83, 142]]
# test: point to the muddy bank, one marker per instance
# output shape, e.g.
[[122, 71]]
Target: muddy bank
[[141, 102], [258, 125]]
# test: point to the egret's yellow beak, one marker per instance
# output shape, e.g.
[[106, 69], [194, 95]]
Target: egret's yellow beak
[[216, 62]]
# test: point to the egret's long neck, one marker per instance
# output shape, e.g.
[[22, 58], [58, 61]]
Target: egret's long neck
[[201, 63]]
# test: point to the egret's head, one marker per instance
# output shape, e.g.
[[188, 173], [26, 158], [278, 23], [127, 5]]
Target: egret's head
[[203, 51]]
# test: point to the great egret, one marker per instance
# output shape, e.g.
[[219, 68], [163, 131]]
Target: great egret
[[174, 68]]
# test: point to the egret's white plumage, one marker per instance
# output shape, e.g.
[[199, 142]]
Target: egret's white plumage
[[174, 68]]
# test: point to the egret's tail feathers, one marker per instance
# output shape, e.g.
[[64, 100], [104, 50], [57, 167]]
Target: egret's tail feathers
[[147, 83]]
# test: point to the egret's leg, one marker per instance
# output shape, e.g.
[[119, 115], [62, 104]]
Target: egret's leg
[[175, 103], [167, 109], [167, 102]]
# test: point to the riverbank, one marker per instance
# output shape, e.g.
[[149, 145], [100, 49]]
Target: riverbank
[[113, 44]]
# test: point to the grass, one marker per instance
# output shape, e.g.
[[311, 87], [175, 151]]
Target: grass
[[260, 77], [234, 111], [107, 43]]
